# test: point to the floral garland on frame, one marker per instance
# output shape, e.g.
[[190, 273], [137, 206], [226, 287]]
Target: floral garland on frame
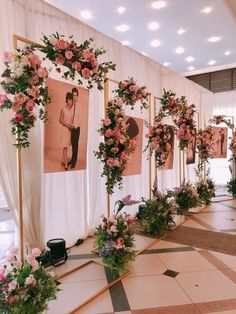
[[129, 92], [218, 119], [232, 146], [117, 145], [204, 145], [24, 79], [158, 141]]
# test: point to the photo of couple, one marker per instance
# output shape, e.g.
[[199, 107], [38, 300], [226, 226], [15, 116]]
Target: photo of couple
[[66, 130], [220, 142]]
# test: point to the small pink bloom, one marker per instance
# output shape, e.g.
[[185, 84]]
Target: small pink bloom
[[107, 122], [115, 150], [168, 147], [14, 251], [116, 163], [88, 54], [110, 162], [77, 66], [10, 258], [30, 105], [34, 92], [61, 44], [21, 98], [3, 98], [123, 156], [34, 79], [42, 72], [68, 54], [144, 93], [123, 85], [34, 60], [11, 299], [19, 117], [117, 111], [120, 241], [17, 264], [86, 73], [109, 133], [53, 41], [6, 56], [60, 59], [52, 274], [113, 229], [30, 280], [36, 252], [132, 88]]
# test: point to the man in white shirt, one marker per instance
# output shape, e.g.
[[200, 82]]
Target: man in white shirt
[[75, 131]]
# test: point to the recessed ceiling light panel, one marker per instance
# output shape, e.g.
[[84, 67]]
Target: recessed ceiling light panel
[[155, 43], [158, 4], [214, 39], [166, 64], [181, 31], [87, 15], [191, 68], [121, 10], [227, 53], [206, 10], [179, 50], [189, 59], [125, 43], [122, 28], [153, 26], [211, 62]]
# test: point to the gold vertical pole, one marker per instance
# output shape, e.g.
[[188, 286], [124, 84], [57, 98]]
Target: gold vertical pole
[[180, 167], [106, 91], [183, 162], [155, 113], [20, 195], [150, 159]]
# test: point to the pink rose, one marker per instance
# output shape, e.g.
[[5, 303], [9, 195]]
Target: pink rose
[[6, 56], [77, 66], [86, 73], [123, 85], [110, 162], [132, 88], [42, 72], [68, 54], [115, 150], [30, 105], [107, 122], [60, 59], [30, 258], [34, 60], [61, 44], [109, 133], [34, 265], [30, 280], [88, 54], [123, 156], [120, 241], [21, 98], [116, 163], [53, 41], [3, 98], [34, 92], [110, 141], [36, 252], [11, 299], [113, 229], [19, 117]]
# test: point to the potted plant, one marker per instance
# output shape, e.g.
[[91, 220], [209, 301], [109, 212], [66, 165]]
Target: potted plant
[[114, 238], [231, 185], [186, 197], [205, 189], [25, 288]]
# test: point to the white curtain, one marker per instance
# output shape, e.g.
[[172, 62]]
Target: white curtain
[[69, 205]]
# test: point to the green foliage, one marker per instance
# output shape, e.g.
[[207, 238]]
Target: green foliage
[[186, 197], [231, 185], [205, 190]]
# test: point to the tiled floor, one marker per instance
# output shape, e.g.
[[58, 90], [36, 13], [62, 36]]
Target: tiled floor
[[166, 278]]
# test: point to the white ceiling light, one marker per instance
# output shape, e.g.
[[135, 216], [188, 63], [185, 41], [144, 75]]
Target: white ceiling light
[[214, 39], [166, 64], [121, 10], [155, 43], [87, 15], [189, 59], [206, 10], [212, 62], [125, 43], [153, 26], [158, 4], [144, 53], [227, 53], [122, 28], [181, 31], [179, 50], [191, 68]]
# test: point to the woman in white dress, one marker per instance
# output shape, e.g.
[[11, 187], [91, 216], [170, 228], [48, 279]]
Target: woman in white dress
[[66, 119]]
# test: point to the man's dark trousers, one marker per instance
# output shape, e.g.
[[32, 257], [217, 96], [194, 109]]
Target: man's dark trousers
[[75, 133]]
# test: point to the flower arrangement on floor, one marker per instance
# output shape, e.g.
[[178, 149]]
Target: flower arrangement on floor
[[218, 119], [204, 145], [186, 197], [24, 85], [232, 147], [25, 288], [156, 214], [129, 92], [205, 188], [231, 185], [117, 145], [115, 238], [79, 60], [159, 136]]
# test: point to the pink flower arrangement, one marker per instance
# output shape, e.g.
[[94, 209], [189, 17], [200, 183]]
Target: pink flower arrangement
[[204, 145], [130, 93], [159, 141], [232, 147], [20, 283], [79, 60], [218, 119], [117, 145]]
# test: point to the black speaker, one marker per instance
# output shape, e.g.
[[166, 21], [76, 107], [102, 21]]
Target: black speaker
[[58, 254]]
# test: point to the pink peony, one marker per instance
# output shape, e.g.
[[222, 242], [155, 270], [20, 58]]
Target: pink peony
[[36, 252], [52, 274], [68, 54], [6, 56], [14, 251], [60, 59], [107, 122], [86, 73], [110, 162], [61, 44], [3, 98], [19, 117], [30, 105], [42, 72], [17, 264], [77, 66], [30, 258]]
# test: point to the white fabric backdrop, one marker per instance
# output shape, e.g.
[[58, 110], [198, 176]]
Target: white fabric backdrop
[[69, 204]]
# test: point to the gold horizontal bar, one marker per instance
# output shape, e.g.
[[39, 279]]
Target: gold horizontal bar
[[24, 40]]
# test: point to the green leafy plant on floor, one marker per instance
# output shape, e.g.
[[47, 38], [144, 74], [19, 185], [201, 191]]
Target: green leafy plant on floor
[[231, 185], [205, 187]]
